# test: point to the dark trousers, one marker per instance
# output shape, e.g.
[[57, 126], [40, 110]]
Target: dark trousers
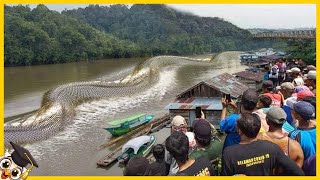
[[274, 81]]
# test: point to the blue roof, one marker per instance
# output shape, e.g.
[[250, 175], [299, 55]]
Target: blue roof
[[192, 103]]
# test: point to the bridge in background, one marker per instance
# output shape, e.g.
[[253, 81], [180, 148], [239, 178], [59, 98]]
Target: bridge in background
[[290, 34]]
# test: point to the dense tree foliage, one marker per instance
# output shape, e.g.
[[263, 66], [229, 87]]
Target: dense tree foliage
[[304, 49], [41, 36], [162, 30]]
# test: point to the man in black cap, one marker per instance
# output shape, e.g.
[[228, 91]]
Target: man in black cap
[[267, 89], [276, 117], [206, 147], [305, 134], [137, 166], [14, 166]]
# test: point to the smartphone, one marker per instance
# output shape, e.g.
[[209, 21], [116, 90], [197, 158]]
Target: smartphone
[[198, 112], [228, 97]]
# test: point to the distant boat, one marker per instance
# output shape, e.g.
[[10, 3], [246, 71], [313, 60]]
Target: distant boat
[[248, 57], [122, 126], [139, 146]]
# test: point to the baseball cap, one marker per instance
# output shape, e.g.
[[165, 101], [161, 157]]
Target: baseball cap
[[202, 129], [304, 93], [276, 115], [290, 101], [178, 121], [311, 67], [288, 71], [295, 70], [137, 166], [311, 75], [287, 85], [305, 110]]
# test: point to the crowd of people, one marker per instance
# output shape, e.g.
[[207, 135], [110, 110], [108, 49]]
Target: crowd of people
[[272, 132]]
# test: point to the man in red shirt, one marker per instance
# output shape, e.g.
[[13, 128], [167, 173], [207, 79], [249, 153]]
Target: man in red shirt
[[267, 89]]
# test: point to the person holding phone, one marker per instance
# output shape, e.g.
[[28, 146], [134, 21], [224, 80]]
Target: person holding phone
[[199, 115], [228, 124], [228, 98]]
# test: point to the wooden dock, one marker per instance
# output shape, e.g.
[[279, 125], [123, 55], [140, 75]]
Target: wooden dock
[[146, 129]]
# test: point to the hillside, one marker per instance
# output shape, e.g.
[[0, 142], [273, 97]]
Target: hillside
[[162, 30], [41, 36]]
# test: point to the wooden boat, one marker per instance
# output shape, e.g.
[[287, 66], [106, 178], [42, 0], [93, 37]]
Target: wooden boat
[[139, 146], [122, 126], [145, 129]]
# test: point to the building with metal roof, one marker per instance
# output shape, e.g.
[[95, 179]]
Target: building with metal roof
[[207, 95], [252, 79], [215, 87]]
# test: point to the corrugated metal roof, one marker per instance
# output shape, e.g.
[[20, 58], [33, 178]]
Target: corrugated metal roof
[[225, 83], [271, 57], [255, 76], [258, 63], [228, 84], [192, 103]]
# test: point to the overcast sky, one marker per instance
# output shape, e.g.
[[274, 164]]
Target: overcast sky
[[242, 15]]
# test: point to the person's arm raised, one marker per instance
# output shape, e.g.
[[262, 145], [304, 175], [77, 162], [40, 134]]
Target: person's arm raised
[[224, 108], [234, 106]]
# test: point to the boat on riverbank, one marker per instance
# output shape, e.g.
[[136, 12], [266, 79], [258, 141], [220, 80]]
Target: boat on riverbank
[[139, 146], [122, 126]]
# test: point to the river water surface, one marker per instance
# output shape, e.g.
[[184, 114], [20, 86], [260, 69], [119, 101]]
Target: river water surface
[[74, 150]]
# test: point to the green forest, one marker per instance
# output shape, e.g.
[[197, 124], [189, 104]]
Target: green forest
[[41, 36]]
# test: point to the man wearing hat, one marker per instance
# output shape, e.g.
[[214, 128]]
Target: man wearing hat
[[276, 117], [303, 94], [310, 81], [178, 123], [305, 134], [137, 166], [311, 68], [206, 147], [287, 89], [295, 72], [267, 89]]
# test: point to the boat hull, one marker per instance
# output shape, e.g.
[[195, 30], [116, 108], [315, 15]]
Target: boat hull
[[118, 131], [142, 152], [127, 127]]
